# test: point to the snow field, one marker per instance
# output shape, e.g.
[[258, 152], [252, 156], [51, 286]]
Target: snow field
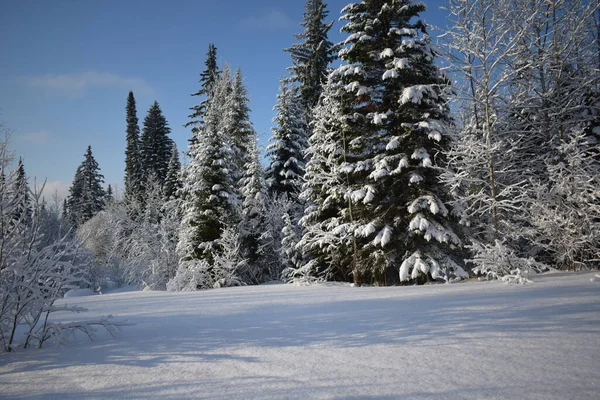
[[473, 340]]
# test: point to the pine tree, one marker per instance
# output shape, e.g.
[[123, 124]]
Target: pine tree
[[312, 56], [155, 144], [86, 195], [133, 166], [397, 127], [288, 144], [172, 181], [208, 79]]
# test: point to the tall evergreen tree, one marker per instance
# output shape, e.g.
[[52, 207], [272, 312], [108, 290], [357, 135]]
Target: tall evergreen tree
[[209, 198], [254, 210], [238, 128], [208, 79], [397, 126], [288, 143], [133, 165], [326, 241], [155, 144], [86, 195], [312, 56]]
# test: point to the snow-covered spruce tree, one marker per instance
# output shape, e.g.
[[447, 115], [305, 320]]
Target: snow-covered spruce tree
[[173, 178], [254, 210], [238, 128], [133, 165], [155, 144], [397, 126], [86, 195], [312, 56], [209, 202], [326, 242], [288, 143], [208, 79]]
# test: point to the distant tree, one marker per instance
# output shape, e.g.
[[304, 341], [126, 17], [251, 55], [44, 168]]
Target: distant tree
[[133, 162], [86, 195], [172, 181], [109, 194], [22, 211], [155, 144], [64, 216]]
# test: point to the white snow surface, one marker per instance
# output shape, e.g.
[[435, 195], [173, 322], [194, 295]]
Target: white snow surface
[[473, 340], [79, 293]]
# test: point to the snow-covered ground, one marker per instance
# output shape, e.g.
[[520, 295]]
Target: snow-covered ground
[[463, 341]]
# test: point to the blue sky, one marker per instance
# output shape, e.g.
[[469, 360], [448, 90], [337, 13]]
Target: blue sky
[[67, 67]]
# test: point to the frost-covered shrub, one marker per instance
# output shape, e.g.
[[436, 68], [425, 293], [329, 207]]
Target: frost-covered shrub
[[190, 276], [270, 249], [33, 274], [302, 276], [229, 264], [141, 251], [567, 207], [498, 262], [222, 272]]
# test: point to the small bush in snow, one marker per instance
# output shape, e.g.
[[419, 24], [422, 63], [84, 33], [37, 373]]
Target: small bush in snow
[[190, 276], [498, 262]]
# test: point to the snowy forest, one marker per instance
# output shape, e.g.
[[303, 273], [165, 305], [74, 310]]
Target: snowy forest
[[396, 158]]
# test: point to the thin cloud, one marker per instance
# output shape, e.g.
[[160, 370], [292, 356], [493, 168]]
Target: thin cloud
[[269, 20], [76, 84], [35, 137], [58, 188]]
